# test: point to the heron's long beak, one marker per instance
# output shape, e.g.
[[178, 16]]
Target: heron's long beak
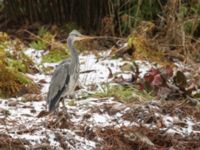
[[84, 37]]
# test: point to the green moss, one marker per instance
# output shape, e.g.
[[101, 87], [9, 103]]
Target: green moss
[[190, 26], [183, 10], [196, 8], [45, 38], [42, 31], [21, 78], [16, 76], [11, 81], [123, 93], [38, 45], [17, 64], [55, 56]]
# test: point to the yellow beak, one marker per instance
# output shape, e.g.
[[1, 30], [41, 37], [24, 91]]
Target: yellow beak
[[84, 37]]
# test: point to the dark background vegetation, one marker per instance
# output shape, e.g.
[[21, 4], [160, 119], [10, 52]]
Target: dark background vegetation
[[116, 17]]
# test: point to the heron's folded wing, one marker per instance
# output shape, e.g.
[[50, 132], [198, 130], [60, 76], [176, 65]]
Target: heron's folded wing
[[59, 79]]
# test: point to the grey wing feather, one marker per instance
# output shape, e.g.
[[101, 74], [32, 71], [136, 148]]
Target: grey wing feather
[[60, 78]]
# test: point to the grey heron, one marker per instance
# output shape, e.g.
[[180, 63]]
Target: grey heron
[[66, 74]]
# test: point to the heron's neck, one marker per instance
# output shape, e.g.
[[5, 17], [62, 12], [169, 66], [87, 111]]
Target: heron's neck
[[74, 55]]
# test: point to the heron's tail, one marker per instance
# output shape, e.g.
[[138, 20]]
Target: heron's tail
[[53, 103]]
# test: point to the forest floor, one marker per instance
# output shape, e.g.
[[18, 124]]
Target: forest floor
[[97, 118]]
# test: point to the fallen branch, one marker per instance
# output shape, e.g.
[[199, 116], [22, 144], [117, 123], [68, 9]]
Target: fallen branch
[[26, 130], [87, 71]]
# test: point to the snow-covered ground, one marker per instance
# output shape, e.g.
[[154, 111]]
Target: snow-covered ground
[[23, 119]]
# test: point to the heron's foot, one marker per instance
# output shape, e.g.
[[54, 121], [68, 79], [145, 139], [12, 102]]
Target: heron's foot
[[61, 121], [54, 112]]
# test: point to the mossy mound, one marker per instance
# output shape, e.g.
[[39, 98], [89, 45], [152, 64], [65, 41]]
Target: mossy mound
[[13, 64], [144, 47], [14, 83]]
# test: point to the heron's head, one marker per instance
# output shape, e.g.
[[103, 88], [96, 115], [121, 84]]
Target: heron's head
[[75, 33], [76, 36]]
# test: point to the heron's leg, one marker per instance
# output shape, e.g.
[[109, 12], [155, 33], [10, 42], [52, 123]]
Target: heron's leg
[[64, 106], [63, 103], [56, 112]]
